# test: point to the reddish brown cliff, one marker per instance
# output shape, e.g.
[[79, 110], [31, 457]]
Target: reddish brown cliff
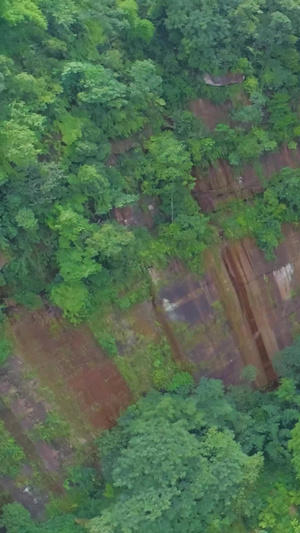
[[243, 311], [222, 182], [87, 385]]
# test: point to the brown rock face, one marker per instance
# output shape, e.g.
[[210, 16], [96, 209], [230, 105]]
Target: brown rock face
[[222, 182], [268, 292], [86, 383], [208, 322], [199, 323], [136, 214], [209, 113], [226, 79], [242, 312]]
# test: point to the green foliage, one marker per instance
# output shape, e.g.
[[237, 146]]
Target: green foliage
[[76, 75], [153, 486], [5, 345], [11, 455], [16, 519], [76, 80], [70, 128], [80, 477], [139, 28], [164, 369], [294, 447], [93, 119], [166, 171], [264, 217], [53, 429], [280, 513], [204, 151], [73, 298], [188, 491], [187, 237], [17, 11], [282, 119], [251, 145], [287, 362], [25, 219], [182, 382]]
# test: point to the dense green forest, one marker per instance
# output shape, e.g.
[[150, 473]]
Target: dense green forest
[[76, 77]]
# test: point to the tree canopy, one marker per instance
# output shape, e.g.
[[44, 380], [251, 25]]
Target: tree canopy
[[75, 77]]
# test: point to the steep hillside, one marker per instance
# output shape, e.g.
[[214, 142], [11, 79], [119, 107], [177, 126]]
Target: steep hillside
[[149, 239]]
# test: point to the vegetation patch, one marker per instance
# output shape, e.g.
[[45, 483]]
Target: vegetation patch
[[263, 217], [53, 429], [11, 455], [93, 119]]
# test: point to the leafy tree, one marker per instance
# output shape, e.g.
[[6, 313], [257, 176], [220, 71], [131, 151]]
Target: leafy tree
[[183, 484], [11, 454], [287, 362], [282, 119], [166, 171], [16, 519], [294, 446], [200, 30], [280, 512], [17, 11], [139, 28], [251, 145], [73, 298], [75, 75], [187, 237]]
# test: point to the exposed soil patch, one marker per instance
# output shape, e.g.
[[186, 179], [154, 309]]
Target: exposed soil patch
[[101, 392], [87, 385], [34, 501], [209, 113], [49, 456]]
